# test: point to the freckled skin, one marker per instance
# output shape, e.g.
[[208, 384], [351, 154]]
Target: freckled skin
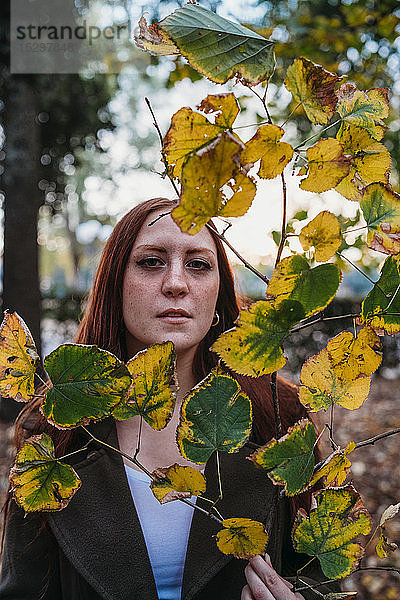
[[168, 269]]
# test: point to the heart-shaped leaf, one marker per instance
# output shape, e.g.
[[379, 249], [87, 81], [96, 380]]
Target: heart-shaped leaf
[[243, 538], [175, 482]]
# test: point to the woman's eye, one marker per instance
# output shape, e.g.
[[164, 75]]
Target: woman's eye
[[199, 264], [150, 261]]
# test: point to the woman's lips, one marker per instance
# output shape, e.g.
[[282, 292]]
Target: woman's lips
[[174, 316]]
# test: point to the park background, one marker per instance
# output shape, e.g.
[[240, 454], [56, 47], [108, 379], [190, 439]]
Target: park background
[[79, 149]]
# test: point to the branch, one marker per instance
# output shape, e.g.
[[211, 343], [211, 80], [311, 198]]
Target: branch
[[164, 158], [275, 403], [283, 230], [360, 271], [142, 468], [371, 441], [240, 257], [322, 318], [317, 134]]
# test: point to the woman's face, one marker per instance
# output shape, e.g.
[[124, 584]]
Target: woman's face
[[170, 286]]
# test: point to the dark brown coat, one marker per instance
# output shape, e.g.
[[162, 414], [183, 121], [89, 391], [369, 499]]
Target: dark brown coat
[[94, 548]]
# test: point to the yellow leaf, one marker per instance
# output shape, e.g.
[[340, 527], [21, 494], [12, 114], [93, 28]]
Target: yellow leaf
[[335, 468], [370, 161], [314, 88], [265, 145], [175, 482], [327, 166], [152, 393], [351, 357], [381, 210], [18, 358], [189, 130], [323, 232], [243, 538], [209, 192], [154, 40], [364, 109], [390, 512], [320, 387], [383, 546]]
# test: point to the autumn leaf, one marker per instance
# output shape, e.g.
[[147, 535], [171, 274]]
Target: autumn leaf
[[314, 88], [329, 530], [151, 394], [320, 387], [293, 279], [385, 291], [323, 232], [335, 468], [18, 359], [39, 481], [381, 209], [215, 415], [175, 482], [370, 161], [253, 347], [383, 546], [351, 357], [326, 166], [265, 145], [214, 46], [87, 384], [189, 130], [289, 461], [364, 109], [209, 192], [243, 538]]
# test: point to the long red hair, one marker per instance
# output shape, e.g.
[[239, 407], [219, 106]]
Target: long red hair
[[103, 325]]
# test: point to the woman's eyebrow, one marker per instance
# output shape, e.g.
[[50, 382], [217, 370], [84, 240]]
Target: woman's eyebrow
[[162, 249]]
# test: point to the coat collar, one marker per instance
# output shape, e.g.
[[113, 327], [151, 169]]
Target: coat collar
[[99, 531]]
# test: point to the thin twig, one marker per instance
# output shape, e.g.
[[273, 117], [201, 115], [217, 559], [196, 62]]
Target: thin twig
[[43, 381], [264, 103], [331, 427], [75, 451], [371, 441], [360, 271], [164, 158], [159, 217], [283, 229], [142, 468], [322, 318], [240, 257], [316, 134], [275, 402], [290, 114]]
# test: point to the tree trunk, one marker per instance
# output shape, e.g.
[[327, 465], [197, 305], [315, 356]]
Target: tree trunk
[[21, 291]]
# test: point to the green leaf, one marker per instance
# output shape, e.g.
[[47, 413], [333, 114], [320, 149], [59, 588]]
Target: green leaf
[[379, 297], [329, 530], [293, 279], [253, 347], [214, 46], [215, 415], [40, 482], [87, 384], [381, 209], [289, 461], [151, 394]]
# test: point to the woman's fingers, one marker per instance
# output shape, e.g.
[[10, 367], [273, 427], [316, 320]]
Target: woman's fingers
[[258, 589], [258, 564], [264, 583]]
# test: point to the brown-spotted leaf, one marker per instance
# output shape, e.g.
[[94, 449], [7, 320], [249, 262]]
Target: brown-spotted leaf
[[265, 146], [323, 233], [335, 468], [314, 88], [364, 109], [370, 161], [327, 166], [243, 538], [209, 192], [289, 461], [18, 359], [328, 532], [381, 209], [39, 481], [385, 291], [189, 130], [351, 357], [320, 387], [175, 482], [152, 392]]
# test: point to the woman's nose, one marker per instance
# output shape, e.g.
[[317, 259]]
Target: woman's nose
[[174, 282]]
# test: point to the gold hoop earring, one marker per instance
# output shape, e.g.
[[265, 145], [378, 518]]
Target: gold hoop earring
[[216, 317]]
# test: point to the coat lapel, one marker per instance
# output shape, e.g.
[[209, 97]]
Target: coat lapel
[[99, 531]]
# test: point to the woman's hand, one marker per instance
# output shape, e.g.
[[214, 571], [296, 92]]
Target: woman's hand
[[264, 583]]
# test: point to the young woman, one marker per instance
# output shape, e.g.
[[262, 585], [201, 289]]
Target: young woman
[[114, 541]]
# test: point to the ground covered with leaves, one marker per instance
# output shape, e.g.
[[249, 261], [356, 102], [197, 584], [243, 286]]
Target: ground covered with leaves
[[375, 473]]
